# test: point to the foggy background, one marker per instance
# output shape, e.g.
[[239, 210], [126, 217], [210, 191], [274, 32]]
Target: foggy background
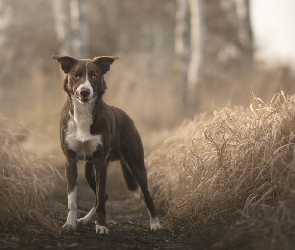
[[177, 58]]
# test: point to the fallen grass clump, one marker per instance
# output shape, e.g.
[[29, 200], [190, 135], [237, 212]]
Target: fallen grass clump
[[26, 184], [238, 161]]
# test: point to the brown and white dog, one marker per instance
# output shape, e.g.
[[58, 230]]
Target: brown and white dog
[[93, 131]]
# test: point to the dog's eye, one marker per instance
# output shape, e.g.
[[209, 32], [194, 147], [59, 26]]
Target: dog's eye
[[94, 76], [75, 76]]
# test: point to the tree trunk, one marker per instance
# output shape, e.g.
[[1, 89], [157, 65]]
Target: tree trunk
[[71, 28], [194, 73], [62, 26], [181, 27], [245, 29], [79, 29], [181, 46], [83, 31], [249, 30], [75, 27]]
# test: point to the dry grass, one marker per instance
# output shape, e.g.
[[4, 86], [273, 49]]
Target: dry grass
[[240, 160], [26, 184]]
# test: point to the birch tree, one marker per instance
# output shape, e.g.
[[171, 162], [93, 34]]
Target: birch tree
[[249, 30], [246, 32], [181, 45], [70, 27], [79, 28], [62, 26], [181, 26], [197, 34]]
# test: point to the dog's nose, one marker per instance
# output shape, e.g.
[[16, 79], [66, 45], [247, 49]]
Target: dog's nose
[[85, 92]]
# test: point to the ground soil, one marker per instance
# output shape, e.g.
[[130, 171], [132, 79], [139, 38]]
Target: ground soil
[[129, 227]]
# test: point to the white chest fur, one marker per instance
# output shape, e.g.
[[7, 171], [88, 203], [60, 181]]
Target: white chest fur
[[78, 137]]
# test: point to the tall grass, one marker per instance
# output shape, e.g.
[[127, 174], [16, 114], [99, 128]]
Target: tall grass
[[234, 161], [26, 183]]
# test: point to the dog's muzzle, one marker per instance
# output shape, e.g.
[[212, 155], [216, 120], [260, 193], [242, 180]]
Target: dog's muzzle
[[84, 95]]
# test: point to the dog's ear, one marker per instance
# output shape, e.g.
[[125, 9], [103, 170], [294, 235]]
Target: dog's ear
[[66, 62], [104, 62]]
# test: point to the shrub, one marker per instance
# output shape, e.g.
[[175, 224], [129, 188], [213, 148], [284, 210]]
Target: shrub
[[26, 184], [240, 160]]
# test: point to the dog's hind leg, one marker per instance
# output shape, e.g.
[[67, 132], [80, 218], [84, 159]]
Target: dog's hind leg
[[134, 164], [90, 177]]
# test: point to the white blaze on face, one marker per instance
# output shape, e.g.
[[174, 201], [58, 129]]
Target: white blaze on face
[[87, 85], [78, 136]]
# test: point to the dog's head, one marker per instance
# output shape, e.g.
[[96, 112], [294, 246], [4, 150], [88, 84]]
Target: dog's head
[[85, 77]]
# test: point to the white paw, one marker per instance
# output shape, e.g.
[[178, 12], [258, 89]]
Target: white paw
[[101, 229], [87, 218], [83, 221], [69, 227], [155, 224]]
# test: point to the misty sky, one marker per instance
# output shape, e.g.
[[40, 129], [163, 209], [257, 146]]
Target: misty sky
[[274, 28]]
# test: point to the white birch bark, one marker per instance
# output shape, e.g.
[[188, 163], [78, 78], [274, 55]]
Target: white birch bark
[[62, 27], [70, 26], [75, 27], [79, 28], [181, 26], [83, 30], [194, 73], [249, 30], [181, 46]]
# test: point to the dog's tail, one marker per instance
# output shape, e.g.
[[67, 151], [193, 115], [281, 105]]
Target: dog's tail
[[129, 178]]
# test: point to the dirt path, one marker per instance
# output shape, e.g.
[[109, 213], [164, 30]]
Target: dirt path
[[129, 228]]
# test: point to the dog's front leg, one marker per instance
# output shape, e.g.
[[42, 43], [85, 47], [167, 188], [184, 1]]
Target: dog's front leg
[[101, 178], [71, 177]]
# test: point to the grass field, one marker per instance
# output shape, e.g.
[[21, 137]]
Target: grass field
[[233, 168], [229, 173], [26, 185]]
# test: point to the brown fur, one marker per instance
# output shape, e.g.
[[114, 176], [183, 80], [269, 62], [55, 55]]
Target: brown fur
[[120, 138]]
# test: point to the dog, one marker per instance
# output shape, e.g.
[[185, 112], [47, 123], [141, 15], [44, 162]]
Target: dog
[[98, 133]]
